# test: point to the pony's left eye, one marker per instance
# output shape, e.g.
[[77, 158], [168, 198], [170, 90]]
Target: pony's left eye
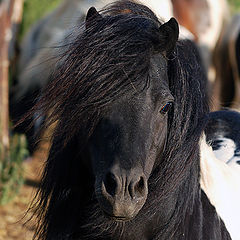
[[166, 108]]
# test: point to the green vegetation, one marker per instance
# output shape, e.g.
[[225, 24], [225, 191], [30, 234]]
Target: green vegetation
[[234, 6], [35, 9], [11, 171]]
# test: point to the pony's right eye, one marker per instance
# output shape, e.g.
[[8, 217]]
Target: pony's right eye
[[166, 108]]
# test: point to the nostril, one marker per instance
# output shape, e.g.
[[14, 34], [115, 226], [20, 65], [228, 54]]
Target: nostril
[[110, 184], [139, 187]]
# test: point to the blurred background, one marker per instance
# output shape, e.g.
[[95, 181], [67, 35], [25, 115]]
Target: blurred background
[[21, 39]]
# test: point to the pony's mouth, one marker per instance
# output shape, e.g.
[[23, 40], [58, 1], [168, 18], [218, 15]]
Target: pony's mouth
[[117, 218]]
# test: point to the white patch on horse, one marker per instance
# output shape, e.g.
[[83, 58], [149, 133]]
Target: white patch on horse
[[234, 161], [221, 183], [226, 150]]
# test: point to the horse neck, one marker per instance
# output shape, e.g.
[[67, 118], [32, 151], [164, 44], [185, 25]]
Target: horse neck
[[199, 220], [194, 217]]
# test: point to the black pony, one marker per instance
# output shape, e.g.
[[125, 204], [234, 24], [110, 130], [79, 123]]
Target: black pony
[[129, 106]]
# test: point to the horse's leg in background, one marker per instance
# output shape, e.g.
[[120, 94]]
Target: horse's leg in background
[[17, 111], [234, 56], [237, 53], [25, 94], [223, 87]]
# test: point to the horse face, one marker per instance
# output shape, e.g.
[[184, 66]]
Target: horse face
[[126, 143]]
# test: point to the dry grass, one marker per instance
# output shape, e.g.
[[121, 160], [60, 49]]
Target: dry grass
[[12, 223]]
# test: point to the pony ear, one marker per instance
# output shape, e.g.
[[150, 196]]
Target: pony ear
[[92, 15], [169, 31]]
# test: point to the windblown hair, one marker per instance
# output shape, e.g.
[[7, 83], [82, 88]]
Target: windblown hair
[[105, 61], [99, 65]]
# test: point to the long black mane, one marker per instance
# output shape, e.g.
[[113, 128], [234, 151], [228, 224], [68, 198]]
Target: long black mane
[[99, 65], [104, 62]]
